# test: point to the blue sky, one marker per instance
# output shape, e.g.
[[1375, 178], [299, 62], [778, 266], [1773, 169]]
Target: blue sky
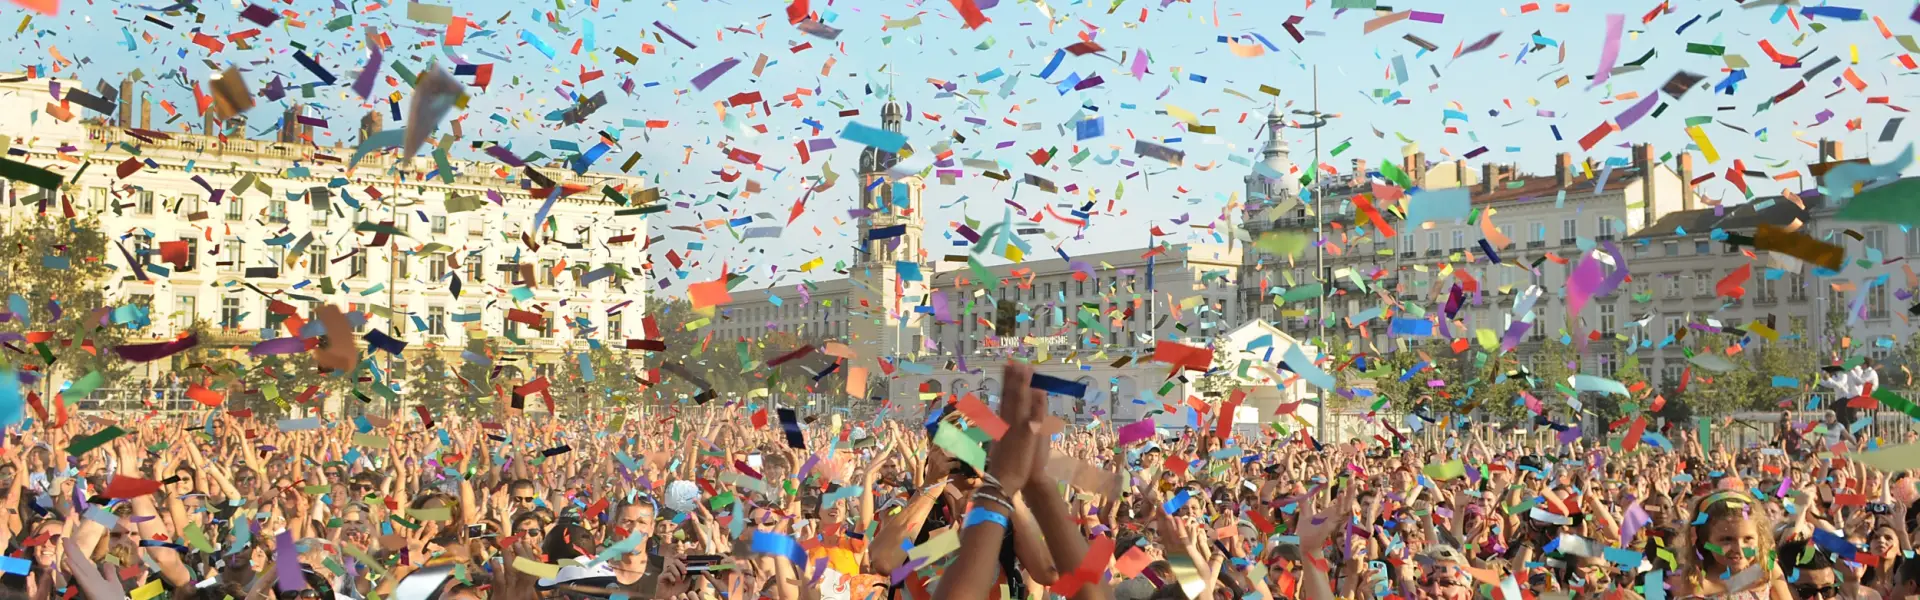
[[1356, 73]]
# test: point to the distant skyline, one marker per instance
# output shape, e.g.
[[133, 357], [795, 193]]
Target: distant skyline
[[1188, 69]]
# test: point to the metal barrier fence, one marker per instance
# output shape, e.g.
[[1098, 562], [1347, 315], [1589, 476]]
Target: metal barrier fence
[[116, 400]]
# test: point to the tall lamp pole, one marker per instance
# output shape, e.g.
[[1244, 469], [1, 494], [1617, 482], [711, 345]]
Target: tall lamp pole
[[1320, 235]]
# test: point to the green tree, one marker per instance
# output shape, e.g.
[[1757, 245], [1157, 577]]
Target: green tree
[[1220, 378], [57, 271]]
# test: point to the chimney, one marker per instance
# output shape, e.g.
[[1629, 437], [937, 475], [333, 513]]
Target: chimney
[[1460, 172], [1490, 176], [1643, 163], [1563, 169], [208, 124], [1360, 168], [1685, 171], [1416, 168], [126, 103], [1830, 151]]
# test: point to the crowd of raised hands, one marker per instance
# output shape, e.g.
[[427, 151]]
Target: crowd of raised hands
[[957, 500]]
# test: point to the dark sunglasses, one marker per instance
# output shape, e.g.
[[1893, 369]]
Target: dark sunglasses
[[1810, 591]]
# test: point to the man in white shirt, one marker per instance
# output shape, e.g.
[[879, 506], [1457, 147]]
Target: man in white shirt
[[1850, 384]]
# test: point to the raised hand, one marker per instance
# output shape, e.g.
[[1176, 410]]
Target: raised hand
[[1012, 459]]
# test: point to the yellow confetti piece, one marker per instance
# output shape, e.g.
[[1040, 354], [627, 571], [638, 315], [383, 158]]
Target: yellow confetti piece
[[1706, 146], [370, 440], [150, 590], [1183, 115], [940, 546], [1764, 331], [535, 568], [431, 514], [812, 264]]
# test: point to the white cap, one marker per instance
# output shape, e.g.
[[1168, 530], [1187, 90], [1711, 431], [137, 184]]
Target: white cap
[[571, 572]]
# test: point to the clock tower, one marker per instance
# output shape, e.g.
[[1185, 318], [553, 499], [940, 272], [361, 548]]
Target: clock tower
[[881, 321]]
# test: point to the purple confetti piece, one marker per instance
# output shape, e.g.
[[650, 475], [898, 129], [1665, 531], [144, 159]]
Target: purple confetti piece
[[673, 34], [277, 346], [286, 562], [1426, 17], [260, 16], [705, 78], [504, 155]]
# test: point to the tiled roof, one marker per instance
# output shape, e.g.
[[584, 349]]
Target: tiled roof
[[1548, 186], [1777, 210]]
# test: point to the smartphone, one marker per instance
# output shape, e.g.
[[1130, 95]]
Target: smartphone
[[702, 563], [1879, 508]]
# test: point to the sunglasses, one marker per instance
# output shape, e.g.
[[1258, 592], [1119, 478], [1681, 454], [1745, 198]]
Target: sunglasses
[[526, 499], [1810, 591]]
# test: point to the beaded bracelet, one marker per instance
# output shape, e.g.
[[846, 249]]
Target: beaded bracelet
[[981, 514]]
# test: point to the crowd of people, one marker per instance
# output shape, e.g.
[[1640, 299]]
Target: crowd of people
[[989, 498]]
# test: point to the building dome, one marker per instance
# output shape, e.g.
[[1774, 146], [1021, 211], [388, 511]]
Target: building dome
[[1275, 156], [875, 160]]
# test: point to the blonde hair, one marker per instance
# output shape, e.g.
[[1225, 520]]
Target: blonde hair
[[1718, 506]]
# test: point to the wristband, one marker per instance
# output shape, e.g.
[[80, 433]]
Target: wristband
[[981, 514]]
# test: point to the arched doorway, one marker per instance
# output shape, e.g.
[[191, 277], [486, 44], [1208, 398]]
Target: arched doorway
[[931, 391], [990, 390], [962, 387]]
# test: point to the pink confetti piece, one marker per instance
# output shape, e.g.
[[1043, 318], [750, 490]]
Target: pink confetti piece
[[1610, 53]]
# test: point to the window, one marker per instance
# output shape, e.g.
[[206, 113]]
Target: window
[[230, 312], [440, 224], [1609, 365], [437, 320], [1702, 246], [1670, 374], [615, 331], [1539, 232], [1876, 302], [1406, 244], [1674, 324], [1875, 238], [236, 254], [474, 271], [401, 267], [1796, 288], [1433, 241], [144, 204], [1606, 318], [318, 216], [185, 310], [193, 253], [274, 319], [277, 210], [1765, 293], [1569, 229], [1703, 283], [546, 323], [1673, 284], [97, 199], [1670, 248], [358, 264], [1459, 240], [1606, 228], [437, 268], [317, 262], [236, 208], [545, 275]]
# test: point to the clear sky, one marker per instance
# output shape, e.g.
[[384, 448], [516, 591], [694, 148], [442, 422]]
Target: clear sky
[[1510, 102]]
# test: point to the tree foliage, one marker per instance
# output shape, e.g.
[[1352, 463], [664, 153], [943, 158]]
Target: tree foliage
[[56, 274]]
